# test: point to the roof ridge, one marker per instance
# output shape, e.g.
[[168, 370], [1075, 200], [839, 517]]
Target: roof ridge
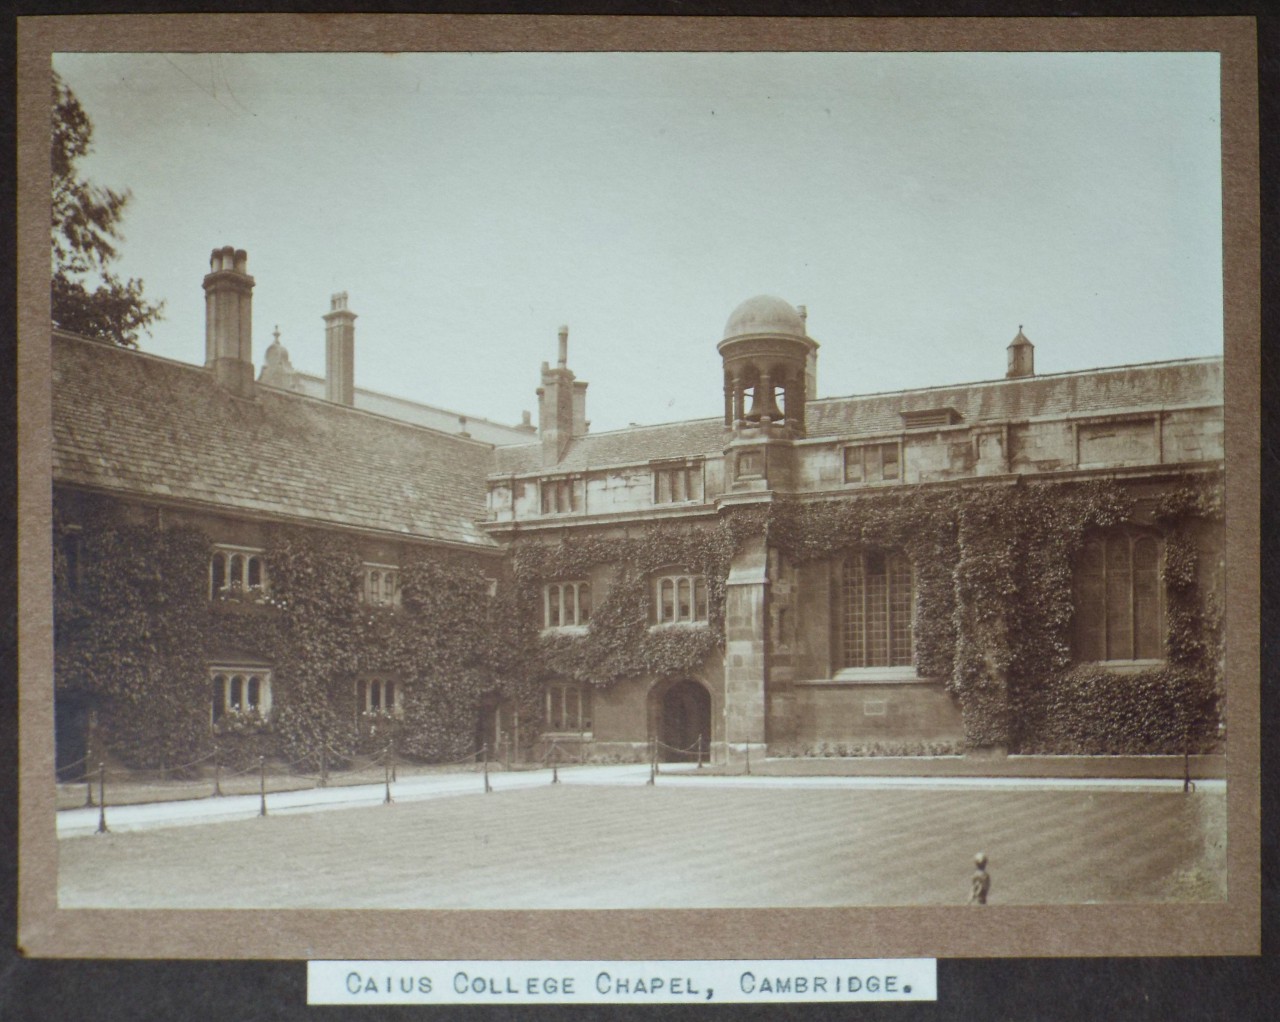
[[419, 404], [274, 391], [1021, 379]]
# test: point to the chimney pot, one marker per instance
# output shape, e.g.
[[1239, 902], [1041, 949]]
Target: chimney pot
[[339, 344], [228, 333], [563, 360]]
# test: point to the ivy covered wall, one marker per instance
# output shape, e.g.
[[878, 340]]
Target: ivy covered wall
[[993, 567], [137, 631], [995, 600]]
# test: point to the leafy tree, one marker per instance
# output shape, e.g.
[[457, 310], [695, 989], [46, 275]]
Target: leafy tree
[[85, 230]]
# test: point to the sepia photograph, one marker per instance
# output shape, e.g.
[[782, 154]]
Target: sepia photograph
[[639, 480]]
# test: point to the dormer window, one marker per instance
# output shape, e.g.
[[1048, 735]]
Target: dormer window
[[930, 418], [566, 604], [381, 585], [237, 573], [674, 484], [680, 599]]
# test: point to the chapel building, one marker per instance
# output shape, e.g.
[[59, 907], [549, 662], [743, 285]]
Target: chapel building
[[267, 556]]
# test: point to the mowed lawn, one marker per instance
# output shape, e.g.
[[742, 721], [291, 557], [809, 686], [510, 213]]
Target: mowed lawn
[[672, 846]]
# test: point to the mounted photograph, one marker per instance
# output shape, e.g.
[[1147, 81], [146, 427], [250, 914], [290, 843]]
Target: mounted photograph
[[742, 482]]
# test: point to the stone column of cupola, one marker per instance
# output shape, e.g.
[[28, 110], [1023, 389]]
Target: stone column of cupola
[[228, 332]]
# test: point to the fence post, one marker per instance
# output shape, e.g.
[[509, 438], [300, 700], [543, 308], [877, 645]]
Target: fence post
[[102, 798], [386, 775], [555, 763], [699, 750], [262, 785], [393, 757], [88, 786], [324, 766], [217, 771], [748, 747], [1188, 785], [485, 751], [653, 773]]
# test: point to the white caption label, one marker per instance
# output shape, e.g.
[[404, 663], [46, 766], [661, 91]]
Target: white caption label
[[677, 982]]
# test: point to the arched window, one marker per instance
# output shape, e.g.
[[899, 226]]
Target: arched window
[[238, 573], [876, 608], [381, 585], [566, 604], [680, 598], [240, 691], [1117, 599], [379, 695]]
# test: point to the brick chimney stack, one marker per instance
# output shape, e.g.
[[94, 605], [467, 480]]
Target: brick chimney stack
[[228, 320], [562, 405], [340, 349]]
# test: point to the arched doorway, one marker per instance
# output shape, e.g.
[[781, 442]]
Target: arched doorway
[[684, 723]]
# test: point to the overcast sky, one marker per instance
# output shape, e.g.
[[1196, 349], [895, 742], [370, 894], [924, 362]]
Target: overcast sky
[[922, 206]]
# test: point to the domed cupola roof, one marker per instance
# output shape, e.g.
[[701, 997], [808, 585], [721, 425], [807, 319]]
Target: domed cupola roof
[[764, 315]]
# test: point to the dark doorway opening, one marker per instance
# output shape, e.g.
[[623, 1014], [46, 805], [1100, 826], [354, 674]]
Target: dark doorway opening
[[71, 715], [684, 726]]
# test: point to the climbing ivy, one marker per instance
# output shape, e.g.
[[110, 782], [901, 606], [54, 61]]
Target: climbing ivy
[[138, 633], [993, 572], [619, 642], [994, 600], [123, 632]]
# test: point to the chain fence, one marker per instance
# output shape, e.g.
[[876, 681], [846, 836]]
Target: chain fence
[[219, 773]]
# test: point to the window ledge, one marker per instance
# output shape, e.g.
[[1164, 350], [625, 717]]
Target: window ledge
[[661, 626], [225, 606], [565, 630], [1125, 666], [568, 736], [878, 676]]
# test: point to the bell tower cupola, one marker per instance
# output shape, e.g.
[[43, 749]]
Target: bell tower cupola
[[769, 361]]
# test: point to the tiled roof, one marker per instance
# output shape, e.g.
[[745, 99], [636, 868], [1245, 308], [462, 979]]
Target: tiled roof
[[633, 446], [134, 423], [419, 414], [1153, 385]]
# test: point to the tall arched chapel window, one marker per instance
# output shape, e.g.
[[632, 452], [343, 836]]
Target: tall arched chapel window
[[1117, 599], [876, 606]]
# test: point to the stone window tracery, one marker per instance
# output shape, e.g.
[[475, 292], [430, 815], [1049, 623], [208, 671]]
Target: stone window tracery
[[1117, 598], [237, 690], [680, 599], [237, 573], [877, 598], [566, 604]]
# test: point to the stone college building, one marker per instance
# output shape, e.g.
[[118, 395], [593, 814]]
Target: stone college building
[[283, 564]]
